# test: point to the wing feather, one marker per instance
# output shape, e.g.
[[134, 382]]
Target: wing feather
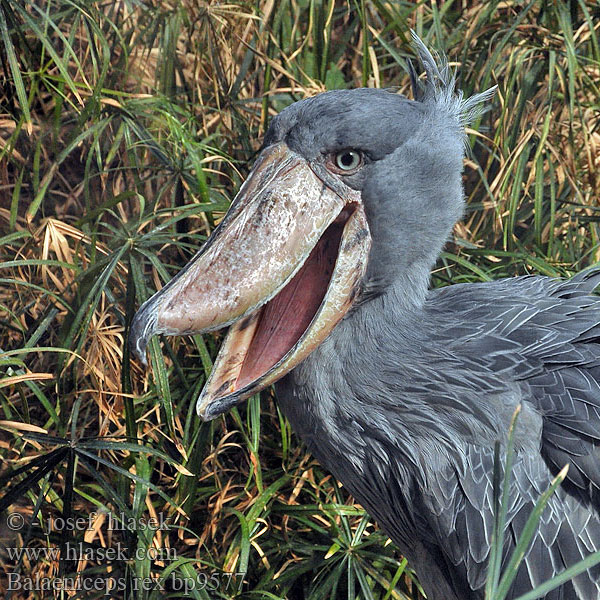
[[544, 334]]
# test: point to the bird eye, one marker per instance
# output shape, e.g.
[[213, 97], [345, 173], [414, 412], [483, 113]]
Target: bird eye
[[348, 160]]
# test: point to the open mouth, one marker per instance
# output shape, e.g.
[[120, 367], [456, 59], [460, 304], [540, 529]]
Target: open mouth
[[283, 320], [265, 345], [282, 269]]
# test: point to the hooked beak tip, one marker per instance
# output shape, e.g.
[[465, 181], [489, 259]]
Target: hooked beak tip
[[143, 327], [202, 414]]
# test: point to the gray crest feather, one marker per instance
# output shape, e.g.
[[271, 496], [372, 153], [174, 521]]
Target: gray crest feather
[[440, 86]]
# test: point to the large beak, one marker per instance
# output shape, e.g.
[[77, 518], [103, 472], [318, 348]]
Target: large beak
[[283, 267]]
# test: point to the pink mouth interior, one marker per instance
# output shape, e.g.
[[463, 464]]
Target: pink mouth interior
[[286, 317]]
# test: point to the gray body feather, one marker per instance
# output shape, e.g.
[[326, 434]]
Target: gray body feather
[[407, 419], [406, 398]]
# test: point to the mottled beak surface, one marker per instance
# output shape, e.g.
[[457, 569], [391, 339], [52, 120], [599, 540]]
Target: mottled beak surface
[[283, 267]]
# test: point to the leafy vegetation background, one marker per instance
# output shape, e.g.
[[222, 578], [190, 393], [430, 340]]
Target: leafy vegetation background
[[125, 130]]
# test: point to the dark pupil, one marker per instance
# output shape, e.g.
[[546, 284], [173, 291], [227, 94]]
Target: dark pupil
[[347, 159]]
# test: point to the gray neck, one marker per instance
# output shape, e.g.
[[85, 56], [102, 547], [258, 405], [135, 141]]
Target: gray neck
[[381, 375], [350, 380], [337, 401]]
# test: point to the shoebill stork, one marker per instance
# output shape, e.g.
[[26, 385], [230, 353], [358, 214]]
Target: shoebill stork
[[321, 269]]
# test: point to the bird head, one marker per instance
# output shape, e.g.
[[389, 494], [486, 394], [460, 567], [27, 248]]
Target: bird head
[[351, 189]]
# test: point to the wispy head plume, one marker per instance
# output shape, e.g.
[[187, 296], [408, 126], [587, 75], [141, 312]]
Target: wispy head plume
[[440, 86]]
